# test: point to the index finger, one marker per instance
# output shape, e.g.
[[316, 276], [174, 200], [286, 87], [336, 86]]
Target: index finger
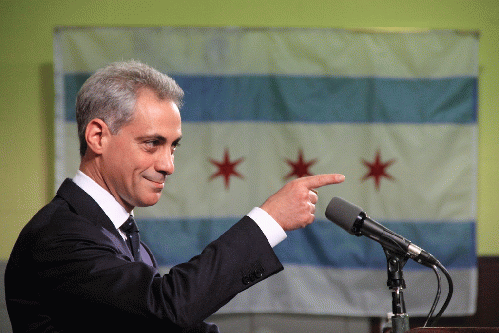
[[316, 181]]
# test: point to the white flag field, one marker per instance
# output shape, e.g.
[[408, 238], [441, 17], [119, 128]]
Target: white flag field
[[395, 112]]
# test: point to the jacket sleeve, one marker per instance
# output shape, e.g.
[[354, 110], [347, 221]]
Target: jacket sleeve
[[80, 267]]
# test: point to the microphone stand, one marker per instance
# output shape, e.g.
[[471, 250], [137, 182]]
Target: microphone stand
[[396, 283]]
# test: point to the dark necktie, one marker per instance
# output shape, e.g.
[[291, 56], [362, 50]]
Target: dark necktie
[[132, 234]]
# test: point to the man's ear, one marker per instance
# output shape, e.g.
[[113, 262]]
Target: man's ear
[[96, 134]]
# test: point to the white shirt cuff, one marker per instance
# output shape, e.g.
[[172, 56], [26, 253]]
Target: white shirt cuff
[[271, 229]]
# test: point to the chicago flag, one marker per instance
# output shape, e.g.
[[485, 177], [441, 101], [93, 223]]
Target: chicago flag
[[396, 113]]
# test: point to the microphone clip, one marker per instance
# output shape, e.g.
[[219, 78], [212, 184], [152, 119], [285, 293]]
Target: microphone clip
[[357, 225], [396, 283]]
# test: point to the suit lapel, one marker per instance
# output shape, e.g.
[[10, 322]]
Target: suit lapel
[[147, 256], [85, 206]]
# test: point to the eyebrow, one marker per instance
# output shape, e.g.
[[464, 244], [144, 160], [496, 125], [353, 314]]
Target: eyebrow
[[176, 142], [149, 137]]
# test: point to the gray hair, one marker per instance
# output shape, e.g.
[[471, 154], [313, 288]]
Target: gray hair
[[111, 92]]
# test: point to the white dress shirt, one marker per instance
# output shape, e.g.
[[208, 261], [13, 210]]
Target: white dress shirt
[[118, 215], [116, 212]]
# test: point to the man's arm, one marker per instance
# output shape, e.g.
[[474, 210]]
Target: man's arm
[[81, 267]]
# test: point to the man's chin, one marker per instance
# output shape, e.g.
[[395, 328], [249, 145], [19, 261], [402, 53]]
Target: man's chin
[[151, 200]]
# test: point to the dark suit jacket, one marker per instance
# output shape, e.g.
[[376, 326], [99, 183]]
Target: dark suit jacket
[[71, 271]]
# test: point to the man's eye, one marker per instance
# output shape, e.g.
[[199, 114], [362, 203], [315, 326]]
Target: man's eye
[[151, 144], [175, 145]]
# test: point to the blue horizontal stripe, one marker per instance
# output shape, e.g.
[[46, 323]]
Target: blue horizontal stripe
[[318, 99], [321, 244], [72, 84]]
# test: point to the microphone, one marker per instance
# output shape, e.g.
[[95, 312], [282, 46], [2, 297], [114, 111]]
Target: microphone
[[356, 222]]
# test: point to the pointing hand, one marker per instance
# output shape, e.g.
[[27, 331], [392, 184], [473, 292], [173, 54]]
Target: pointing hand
[[293, 206]]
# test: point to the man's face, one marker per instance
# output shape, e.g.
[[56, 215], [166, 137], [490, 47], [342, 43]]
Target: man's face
[[136, 161]]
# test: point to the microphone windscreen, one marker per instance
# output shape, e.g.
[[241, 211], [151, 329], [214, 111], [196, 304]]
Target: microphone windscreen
[[343, 213]]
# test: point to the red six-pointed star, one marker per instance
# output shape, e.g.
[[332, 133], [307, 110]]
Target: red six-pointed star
[[300, 167], [226, 168], [377, 170]]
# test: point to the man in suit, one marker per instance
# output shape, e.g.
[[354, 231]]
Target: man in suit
[[74, 268]]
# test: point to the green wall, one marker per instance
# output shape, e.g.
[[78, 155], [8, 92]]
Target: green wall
[[26, 85]]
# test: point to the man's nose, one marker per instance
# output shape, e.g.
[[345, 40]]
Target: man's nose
[[165, 163]]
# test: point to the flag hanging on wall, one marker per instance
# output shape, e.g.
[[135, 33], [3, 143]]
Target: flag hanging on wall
[[395, 112]]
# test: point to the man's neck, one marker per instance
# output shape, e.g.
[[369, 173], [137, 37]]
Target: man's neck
[[111, 207]]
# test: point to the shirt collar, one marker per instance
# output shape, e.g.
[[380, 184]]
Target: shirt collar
[[116, 212]]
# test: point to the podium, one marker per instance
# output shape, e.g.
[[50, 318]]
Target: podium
[[454, 330]]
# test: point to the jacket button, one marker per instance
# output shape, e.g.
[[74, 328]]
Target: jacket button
[[246, 280]]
